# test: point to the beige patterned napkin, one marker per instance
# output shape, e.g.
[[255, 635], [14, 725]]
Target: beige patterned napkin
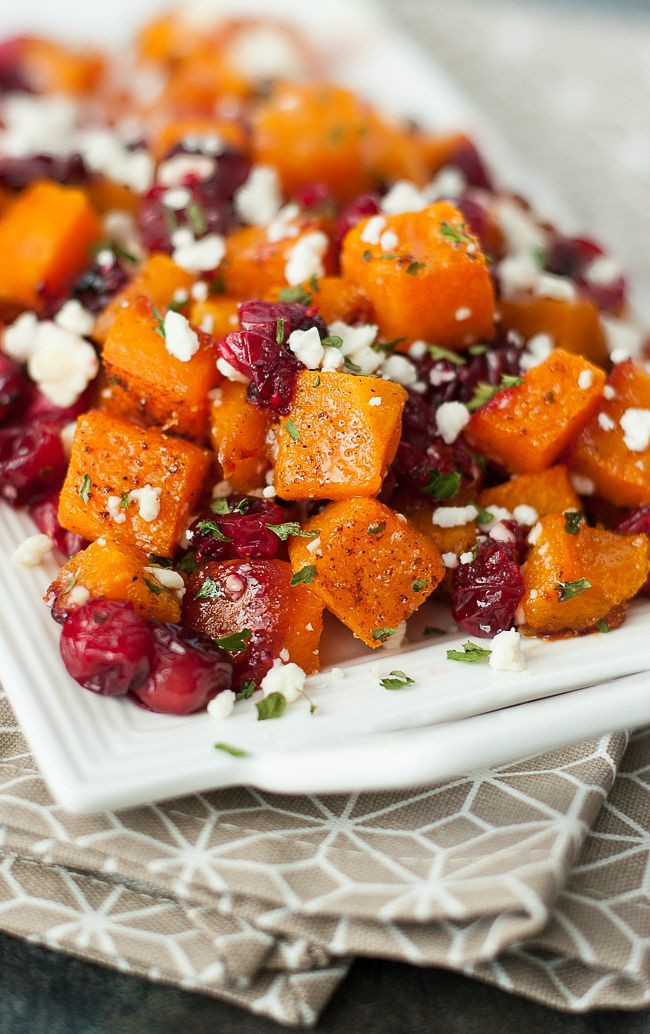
[[531, 877]]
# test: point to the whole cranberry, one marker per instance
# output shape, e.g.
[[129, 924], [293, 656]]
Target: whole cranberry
[[40, 410], [572, 256], [467, 160], [32, 461], [264, 317], [107, 648], [315, 197], [14, 388], [488, 590], [45, 514], [187, 671], [240, 534], [13, 76], [99, 285], [271, 368], [361, 208]]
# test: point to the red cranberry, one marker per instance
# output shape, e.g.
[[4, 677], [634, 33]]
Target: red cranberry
[[14, 388], [13, 77], [414, 466], [314, 197], [264, 317], [41, 410], [99, 285], [476, 217], [361, 208], [32, 461], [107, 647], [187, 671], [511, 534], [17, 173], [467, 160], [245, 530], [271, 368], [45, 515], [571, 256], [487, 591], [636, 522]]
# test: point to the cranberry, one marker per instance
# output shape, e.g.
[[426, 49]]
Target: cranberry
[[99, 285], [636, 522], [187, 671], [315, 197], [361, 208], [264, 317], [45, 515], [271, 368], [107, 647], [467, 160], [17, 173], [488, 590], [31, 461], [41, 410], [14, 388], [510, 533], [414, 466], [13, 78], [571, 256], [245, 531], [477, 219]]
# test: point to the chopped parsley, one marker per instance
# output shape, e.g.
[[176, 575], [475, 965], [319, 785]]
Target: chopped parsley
[[450, 233], [471, 653], [419, 584], [125, 499], [85, 488], [396, 680], [210, 590], [246, 689], [376, 529], [294, 294], [234, 643], [482, 516], [437, 352], [189, 563], [478, 349], [332, 341], [272, 706], [602, 625], [283, 531], [509, 381], [572, 521], [160, 561], [304, 576], [153, 586], [351, 366], [220, 506], [483, 392], [414, 268], [313, 283], [70, 586], [316, 381], [367, 255], [116, 249], [210, 528], [443, 486], [382, 634], [160, 323], [177, 304], [196, 217], [292, 430], [569, 590], [279, 332], [227, 748]]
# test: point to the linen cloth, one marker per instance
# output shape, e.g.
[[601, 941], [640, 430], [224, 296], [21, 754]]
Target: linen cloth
[[532, 877]]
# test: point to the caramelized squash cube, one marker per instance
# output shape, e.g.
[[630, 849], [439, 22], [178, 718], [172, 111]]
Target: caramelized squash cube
[[338, 441], [113, 458], [527, 427], [254, 265], [550, 491], [217, 315], [158, 279], [574, 326], [372, 568], [238, 430]]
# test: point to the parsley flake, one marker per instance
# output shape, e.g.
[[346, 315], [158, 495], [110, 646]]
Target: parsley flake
[[569, 590], [313, 283], [160, 323], [188, 564], [160, 561], [294, 294], [292, 430], [602, 625], [396, 680], [279, 332], [351, 366], [483, 516], [414, 268], [210, 590], [376, 529], [382, 634], [483, 392], [367, 256], [572, 521], [450, 233], [196, 217], [332, 341], [437, 352], [70, 586], [478, 349], [508, 381], [316, 381], [246, 689], [220, 506], [125, 499], [234, 643], [419, 584], [85, 488], [304, 576], [227, 748], [443, 486], [153, 587], [116, 249], [283, 531], [272, 706], [210, 528], [471, 653]]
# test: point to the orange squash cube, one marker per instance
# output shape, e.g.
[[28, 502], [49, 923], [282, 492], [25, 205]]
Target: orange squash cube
[[158, 279], [279, 615], [115, 571], [550, 491], [238, 430], [217, 315], [111, 460], [166, 136], [254, 265], [336, 299], [53, 68], [337, 441], [450, 542], [148, 384], [435, 258], [621, 475], [370, 566], [528, 426], [45, 238], [574, 581], [573, 326]]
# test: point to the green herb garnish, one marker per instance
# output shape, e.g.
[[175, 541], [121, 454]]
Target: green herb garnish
[[210, 528], [188, 564], [376, 529], [431, 630], [437, 352], [292, 430], [602, 625], [210, 590], [294, 294], [443, 486], [471, 653], [419, 584], [451, 234], [283, 531], [396, 680], [236, 752], [382, 634], [153, 586], [569, 590], [316, 381], [351, 366], [234, 643], [196, 216], [160, 323], [572, 521], [304, 576], [414, 268], [85, 488], [367, 255], [220, 506], [279, 332], [332, 341], [246, 689], [508, 381], [272, 706]]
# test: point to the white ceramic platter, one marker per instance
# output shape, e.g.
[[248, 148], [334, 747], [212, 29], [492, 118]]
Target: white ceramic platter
[[98, 753]]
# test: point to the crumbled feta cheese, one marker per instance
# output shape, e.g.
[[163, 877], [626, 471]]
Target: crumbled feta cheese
[[517, 273], [373, 229], [306, 346], [222, 705], [376, 401], [418, 350], [462, 314], [287, 679], [200, 256], [258, 200], [314, 545], [525, 515], [19, 338], [284, 225], [31, 551], [389, 240], [603, 271], [466, 558], [172, 173], [534, 534], [180, 339], [623, 338], [115, 509], [332, 358], [264, 52], [148, 500], [609, 392], [269, 492], [438, 376], [636, 429], [67, 434], [522, 233], [451, 419], [585, 380], [103, 151], [62, 364], [507, 654], [500, 533], [538, 348], [305, 258], [548, 285], [199, 291], [354, 338], [73, 317], [229, 371], [605, 422], [403, 197], [168, 578], [37, 125], [176, 198], [399, 368], [450, 560], [396, 640], [207, 323], [499, 513], [453, 516], [77, 597], [448, 182], [582, 484]]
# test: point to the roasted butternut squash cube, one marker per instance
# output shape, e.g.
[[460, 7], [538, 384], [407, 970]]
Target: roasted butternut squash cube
[[528, 426], [256, 595], [433, 281], [171, 133], [53, 68], [216, 315], [45, 238], [369, 566], [573, 326], [238, 430], [338, 440], [573, 581], [133, 485], [336, 299], [608, 451], [147, 383], [550, 491], [254, 265], [115, 571], [451, 543], [158, 279]]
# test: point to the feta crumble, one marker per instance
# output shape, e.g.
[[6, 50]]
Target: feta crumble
[[462, 314], [173, 171], [373, 229], [169, 579], [180, 339], [222, 705], [375, 401], [389, 240], [306, 346], [450, 560], [229, 371], [62, 364], [635, 424], [507, 654], [582, 484], [538, 348], [148, 500], [453, 516], [605, 422], [525, 515], [73, 317], [115, 509], [451, 419], [585, 380], [305, 258], [200, 256], [287, 679], [603, 271], [400, 369], [284, 225], [32, 551], [466, 558], [259, 199], [403, 197]]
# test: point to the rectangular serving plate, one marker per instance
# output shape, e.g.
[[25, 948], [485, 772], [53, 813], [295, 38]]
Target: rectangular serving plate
[[97, 753]]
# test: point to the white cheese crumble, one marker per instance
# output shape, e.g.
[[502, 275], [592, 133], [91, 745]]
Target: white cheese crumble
[[172, 173], [521, 231], [115, 509], [462, 314], [180, 339], [517, 273], [448, 182], [403, 197], [19, 338], [582, 484], [466, 558], [450, 560], [305, 258], [498, 513], [287, 679], [73, 317], [284, 225], [306, 346], [636, 429], [103, 151], [37, 125], [32, 551], [200, 256], [222, 705], [538, 348], [373, 229], [507, 654], [314, 545], [548, 285], [451, 419], [525, 515], [77, 597], [400, 369], [388, 240], [148, 500], [605, 422], [258, 200], [534, 534], [603, 271], [609, 392], [500, 533], [585, 379], [376, 401], [332, 359], [62, 364], [168, 578], [199, 291], [453, 516], [418, 349], [67, 434], [176, 198], [229, 371]]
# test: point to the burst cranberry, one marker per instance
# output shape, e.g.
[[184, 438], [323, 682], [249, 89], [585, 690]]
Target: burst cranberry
[[271, 368], [17, 173], [14, 388], [264, 318], [107, 647], [467, 160], [45, 515], [572, 256], [187, 671], [511, 534], [315, 197], [31, 461], [13, 77], [487, 591], [99, 285], [41, 410], [413, 467], [476, 217], [361, 208], [245, 533]]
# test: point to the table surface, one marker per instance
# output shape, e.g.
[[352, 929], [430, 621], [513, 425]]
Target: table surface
[[42, 992]]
